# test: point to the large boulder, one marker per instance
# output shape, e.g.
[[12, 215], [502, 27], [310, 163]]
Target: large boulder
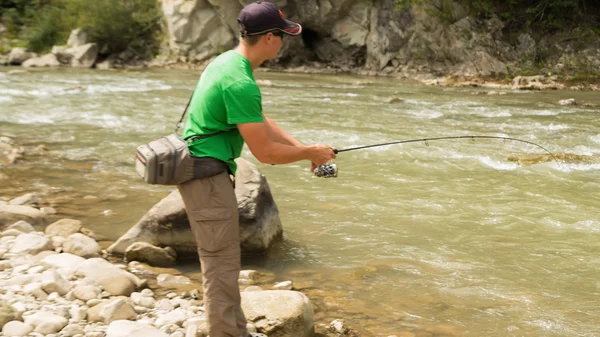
[[166, 223], [279, 313], [84, 56], [196, 29]]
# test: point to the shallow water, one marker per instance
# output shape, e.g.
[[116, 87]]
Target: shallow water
[[447, 238]]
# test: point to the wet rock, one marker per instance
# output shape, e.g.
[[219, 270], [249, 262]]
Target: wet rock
[[286, 285], [10, 214], [63, 227], [81, 245], [29, 199], [122, 328], [279, 313], [154, 256], [166, 223], [338, 326]]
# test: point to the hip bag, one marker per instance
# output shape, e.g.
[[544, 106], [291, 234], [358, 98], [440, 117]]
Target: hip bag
[[167, 160]]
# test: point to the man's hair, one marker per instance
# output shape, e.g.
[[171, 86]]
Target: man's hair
[[251, 40]]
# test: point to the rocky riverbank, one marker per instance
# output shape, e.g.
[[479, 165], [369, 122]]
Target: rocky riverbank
[[59, 282], [81, 52], [58, 279]]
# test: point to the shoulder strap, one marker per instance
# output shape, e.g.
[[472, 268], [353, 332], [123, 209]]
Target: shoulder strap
[[193, 138]]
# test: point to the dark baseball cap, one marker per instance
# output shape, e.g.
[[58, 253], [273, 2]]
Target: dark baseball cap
[[262, 17]]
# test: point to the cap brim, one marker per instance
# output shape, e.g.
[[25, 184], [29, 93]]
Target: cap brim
[[292, 28]]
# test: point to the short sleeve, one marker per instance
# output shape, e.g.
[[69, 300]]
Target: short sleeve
[[243, 103]]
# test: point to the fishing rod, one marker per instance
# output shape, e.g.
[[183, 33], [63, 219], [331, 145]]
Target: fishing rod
[[330, 170]]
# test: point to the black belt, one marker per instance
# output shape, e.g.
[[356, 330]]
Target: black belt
[[206, 167]]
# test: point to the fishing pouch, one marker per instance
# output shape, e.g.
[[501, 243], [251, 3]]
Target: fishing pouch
[[167, 161]]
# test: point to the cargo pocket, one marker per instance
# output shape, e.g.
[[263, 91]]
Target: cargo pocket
[[215, 228]]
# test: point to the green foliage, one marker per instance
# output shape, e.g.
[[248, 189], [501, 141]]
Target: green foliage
[[119, 23], [115, 25], [48, 26]]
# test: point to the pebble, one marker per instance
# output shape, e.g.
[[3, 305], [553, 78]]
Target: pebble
[[147, 292]]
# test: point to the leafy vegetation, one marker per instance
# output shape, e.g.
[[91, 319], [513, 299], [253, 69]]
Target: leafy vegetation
[[115, 25]]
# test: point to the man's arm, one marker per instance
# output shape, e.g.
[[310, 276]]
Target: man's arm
[[271, 152], [278, 135]]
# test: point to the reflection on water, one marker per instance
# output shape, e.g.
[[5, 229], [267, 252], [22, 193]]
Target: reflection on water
[[447, 238]]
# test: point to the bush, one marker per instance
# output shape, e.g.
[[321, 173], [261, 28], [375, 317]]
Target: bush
[[49, 26], [118, 24], [114, 24]]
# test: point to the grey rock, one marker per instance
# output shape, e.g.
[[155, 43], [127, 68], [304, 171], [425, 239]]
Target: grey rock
[[166, 224]]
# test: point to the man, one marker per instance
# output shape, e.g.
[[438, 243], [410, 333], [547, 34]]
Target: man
[[227, 107]]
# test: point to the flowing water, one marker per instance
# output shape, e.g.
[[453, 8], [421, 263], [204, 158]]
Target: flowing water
[[447, 238]]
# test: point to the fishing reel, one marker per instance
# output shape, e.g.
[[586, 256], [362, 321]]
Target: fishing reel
[[328, 170]]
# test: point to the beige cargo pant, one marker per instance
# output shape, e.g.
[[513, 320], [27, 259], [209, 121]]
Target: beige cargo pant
[[211, 208]]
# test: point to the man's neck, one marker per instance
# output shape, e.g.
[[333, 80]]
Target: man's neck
[[250, 53]]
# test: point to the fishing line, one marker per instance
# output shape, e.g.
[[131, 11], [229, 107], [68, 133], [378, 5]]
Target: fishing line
[[330, 170]]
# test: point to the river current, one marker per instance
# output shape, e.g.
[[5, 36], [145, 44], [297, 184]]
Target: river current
[[444, 238]]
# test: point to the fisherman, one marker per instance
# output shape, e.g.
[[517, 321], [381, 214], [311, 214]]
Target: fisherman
[[227, 101]]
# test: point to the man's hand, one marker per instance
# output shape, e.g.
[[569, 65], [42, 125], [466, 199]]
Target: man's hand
[[320, 154]]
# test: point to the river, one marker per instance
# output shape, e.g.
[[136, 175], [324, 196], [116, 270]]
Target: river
[[444, 238]]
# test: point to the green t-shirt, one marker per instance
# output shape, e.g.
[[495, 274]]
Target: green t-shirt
[[226, 95]]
